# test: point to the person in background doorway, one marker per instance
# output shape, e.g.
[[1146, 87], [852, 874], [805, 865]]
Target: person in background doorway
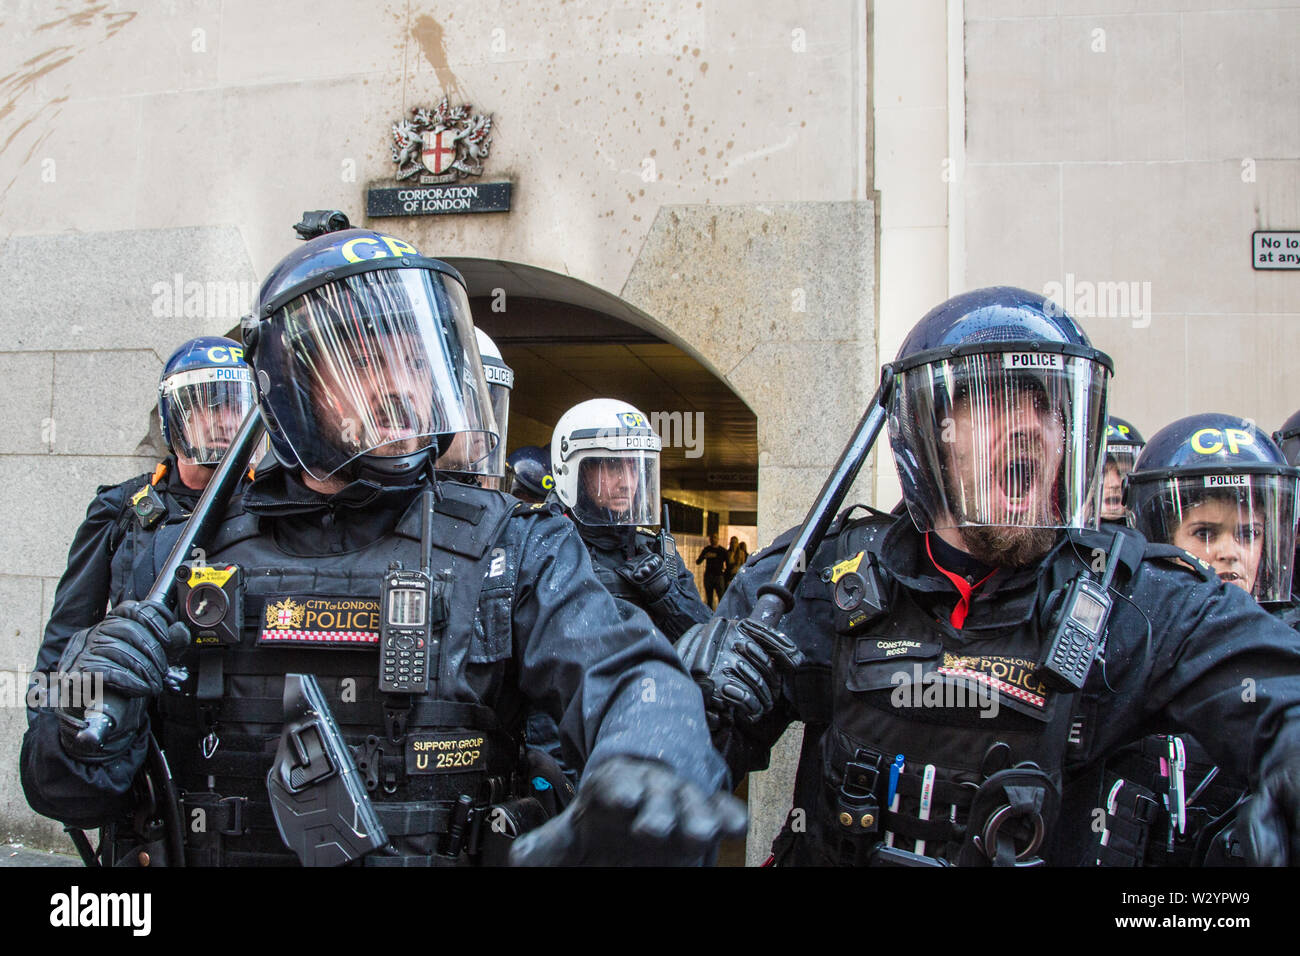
[[715, 566]]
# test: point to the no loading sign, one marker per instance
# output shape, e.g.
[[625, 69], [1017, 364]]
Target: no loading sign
[[1275, 250]]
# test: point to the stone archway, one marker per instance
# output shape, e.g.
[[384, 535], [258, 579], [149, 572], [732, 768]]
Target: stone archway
[[779, 302]]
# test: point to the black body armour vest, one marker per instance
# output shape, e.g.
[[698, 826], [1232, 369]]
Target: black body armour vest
[[981, 741], [147, 541], [604, 563], [320, 614], [672, 612]]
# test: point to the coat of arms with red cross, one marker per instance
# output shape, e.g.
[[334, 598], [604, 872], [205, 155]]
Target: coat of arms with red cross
[[443, 144]]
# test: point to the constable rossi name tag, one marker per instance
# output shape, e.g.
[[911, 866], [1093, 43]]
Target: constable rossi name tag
[[1227, 481], [320, 620], [882, 649], [454, 752], [1032, 360]]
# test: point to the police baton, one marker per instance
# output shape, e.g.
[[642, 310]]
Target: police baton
[[207, 515], [776, 597]]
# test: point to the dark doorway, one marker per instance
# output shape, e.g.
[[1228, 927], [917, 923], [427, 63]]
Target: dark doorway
[[568, 341]]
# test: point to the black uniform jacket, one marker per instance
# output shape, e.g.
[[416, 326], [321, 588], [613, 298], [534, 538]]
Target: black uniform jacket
[[1215, 664], [611, 682]]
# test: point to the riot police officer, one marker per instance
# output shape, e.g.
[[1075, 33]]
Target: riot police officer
[[605, 463], [940, 652], [365, 364], [1217, 487], [528, 472], [1123, 445], [470, 457], [204, 392]]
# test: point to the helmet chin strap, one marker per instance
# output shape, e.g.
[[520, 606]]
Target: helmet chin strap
[[390, 470]]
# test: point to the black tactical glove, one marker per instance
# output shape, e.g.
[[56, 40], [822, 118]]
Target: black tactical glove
[[633, 812], [650, 574], [1269, 822], [128, 651], [735, 663]]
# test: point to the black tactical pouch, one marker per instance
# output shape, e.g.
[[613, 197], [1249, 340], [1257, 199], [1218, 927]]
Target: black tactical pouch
[[1009, 818], [1127, 827]]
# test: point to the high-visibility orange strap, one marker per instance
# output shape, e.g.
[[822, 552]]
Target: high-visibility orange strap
[[158, 473]]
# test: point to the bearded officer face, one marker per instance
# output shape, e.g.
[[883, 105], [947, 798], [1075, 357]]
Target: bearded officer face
[[1004, 459]]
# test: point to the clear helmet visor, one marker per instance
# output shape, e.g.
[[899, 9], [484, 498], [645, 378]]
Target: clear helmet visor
[[616, 489], [378, 363], [470, 453], [205, 407], [1119, 462], [1001, 438], [1241, 525]]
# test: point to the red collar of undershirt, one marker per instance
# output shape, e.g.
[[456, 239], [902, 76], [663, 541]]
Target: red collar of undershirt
[[964, 588]]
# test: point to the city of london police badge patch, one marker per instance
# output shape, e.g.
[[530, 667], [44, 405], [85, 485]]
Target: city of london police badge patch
[[441, 145]]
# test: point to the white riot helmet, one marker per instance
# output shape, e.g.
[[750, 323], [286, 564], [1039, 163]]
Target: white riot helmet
[[605, 461], [466, 453]]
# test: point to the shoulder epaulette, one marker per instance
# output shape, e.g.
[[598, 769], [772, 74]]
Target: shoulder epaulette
[[1171, 554], [524, 509]]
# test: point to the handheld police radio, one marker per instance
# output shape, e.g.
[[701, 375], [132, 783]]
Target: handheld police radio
[[408, 606], [1079, 627], [667, 546]]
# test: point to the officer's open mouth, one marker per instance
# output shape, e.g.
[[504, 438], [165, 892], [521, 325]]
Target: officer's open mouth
[[1018, 479], [1232, 577]]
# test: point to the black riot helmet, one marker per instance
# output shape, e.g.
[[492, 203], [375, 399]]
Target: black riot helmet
[[1287, 438], [1218, 487], [205, 391], [998, 414], [1123, 445], [466, 458], [529, 471], [365, 358]]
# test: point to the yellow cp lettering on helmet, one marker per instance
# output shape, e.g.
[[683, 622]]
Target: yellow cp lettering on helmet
[[399, 248], [1235, 438], [1215, 445], [396, 247], [1238, 437], [548, 482], [222, 353], [350, 253]]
